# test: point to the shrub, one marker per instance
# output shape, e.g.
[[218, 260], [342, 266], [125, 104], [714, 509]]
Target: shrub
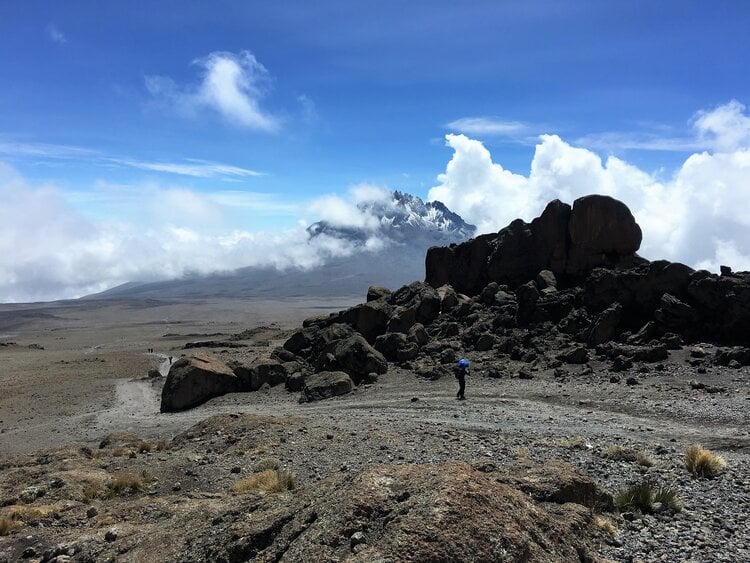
[[703, 463], [641, 498], [522, 453], [121, 452], [270, 481], [144, 447]]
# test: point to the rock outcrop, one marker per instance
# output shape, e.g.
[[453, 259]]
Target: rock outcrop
[[597, 231], [195, 379]]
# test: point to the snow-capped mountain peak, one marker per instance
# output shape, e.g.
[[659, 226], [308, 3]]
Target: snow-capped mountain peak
[[401, 218]]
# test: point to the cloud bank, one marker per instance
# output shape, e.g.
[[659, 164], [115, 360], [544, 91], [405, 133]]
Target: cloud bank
[[49, 249], [230, 85], [698, 216]]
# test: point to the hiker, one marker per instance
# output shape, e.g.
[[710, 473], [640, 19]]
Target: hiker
[[461, 371]]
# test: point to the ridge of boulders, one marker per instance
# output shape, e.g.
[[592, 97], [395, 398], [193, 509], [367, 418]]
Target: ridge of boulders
[[560, 289]]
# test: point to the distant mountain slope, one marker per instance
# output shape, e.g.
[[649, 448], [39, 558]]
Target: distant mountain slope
[[405, 225]]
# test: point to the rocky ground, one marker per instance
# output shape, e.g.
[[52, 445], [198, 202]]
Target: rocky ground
[[347, 445]]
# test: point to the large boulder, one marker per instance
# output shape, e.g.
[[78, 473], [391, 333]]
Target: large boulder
[[354, 355], [195, 379], [326, 384], [601, 229]]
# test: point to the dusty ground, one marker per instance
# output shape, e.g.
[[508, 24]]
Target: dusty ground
[[81, 386], [65, 368]]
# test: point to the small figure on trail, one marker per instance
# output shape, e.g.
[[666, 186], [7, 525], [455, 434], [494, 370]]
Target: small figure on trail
[[461, 371], [170, 360]]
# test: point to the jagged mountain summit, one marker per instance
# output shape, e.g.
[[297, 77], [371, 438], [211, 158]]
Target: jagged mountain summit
[[388, 246], [403, 218]]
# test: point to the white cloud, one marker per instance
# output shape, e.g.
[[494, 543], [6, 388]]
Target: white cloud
[[230, 84], [722, 129], [725, 128], [698, 216], [55, 34], [194, 167], [342, 212], [487, 126], [50, 250]]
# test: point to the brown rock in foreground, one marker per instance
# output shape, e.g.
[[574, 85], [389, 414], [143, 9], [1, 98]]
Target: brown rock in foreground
[[194, 380], [441, 512]]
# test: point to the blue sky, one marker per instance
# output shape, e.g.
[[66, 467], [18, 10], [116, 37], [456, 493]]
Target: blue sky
[[236, 117]]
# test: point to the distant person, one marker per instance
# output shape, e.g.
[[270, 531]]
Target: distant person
[[461, 371]]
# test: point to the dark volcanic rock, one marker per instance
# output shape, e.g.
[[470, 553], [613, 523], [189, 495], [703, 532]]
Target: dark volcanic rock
[[352, 355], [194, 380], [598, 231], [326, 384], [602, 232]]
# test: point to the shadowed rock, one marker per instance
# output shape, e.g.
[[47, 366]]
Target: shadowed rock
[[194, 380]]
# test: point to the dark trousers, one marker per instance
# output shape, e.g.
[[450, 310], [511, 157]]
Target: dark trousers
[[461, 387]]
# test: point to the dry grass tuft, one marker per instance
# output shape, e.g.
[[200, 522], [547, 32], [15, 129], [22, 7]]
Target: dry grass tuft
[[522, 453], [128, 483], [618, 453], [16, 516], [605, 525], [269, 481], [161, 445], [8, 525], [25, 512], [144, 447], [642, 458], [93, 490], [702, 462], [121, 452]]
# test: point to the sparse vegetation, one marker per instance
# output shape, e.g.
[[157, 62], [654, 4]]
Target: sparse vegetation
[[8, 525], [642, 497], [643, 459], [574, 443], [618, 453], [522, 453], [93, 490], [668, 498], [702, 462], [269, 480], [15, 516], [121, 452], [605, 524], [144, 447], [266, 463], [128, 483]]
